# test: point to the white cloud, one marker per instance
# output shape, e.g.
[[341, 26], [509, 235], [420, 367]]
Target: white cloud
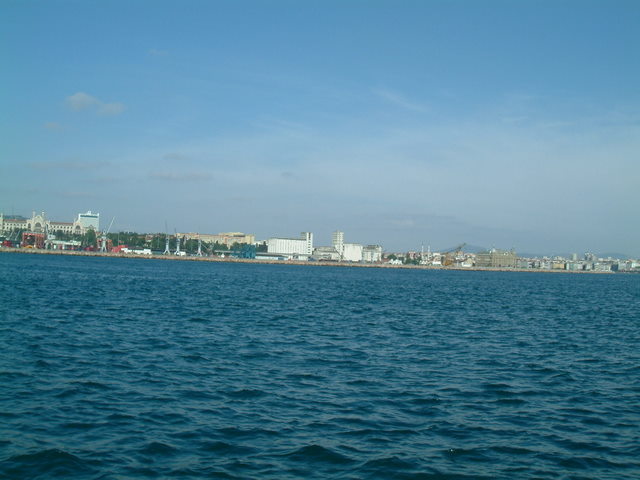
[[83, 101], [399, 100], [111, 108]]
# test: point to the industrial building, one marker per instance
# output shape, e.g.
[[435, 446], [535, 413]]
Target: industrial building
[[299, 248], [349, 252]]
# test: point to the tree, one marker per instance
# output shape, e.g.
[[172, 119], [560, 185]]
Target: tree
[[90, 238]]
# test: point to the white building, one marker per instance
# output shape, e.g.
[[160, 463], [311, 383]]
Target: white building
[[372, 253], [292, 247], [39, 223], [89, 220], [352, 252], [349, 252]]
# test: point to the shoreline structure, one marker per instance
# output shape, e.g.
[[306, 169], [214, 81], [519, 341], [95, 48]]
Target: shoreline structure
[[35, 251]]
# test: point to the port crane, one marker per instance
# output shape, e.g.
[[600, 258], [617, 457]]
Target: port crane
[[449, 257], [103, 238]]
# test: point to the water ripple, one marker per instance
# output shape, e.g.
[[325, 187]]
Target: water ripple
[[280, 372]]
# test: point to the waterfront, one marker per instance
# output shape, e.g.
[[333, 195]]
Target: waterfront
[[122, 368], [231, 259]]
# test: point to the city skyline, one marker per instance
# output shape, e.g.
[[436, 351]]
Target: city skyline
[[9, 224], [495, 124]]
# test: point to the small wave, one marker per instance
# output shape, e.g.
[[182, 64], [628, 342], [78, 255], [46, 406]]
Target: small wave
[[510, 450], [13, 375], [195, 358], [510, 401], [589, 463], [158, 448], [225, 448], [425, 401], [390, 465], [92, 385], [234, 432], [317, 453], [78, 426], [52, 463], [471, 454], [246, 393]]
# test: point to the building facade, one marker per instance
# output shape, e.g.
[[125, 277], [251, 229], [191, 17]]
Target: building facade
[[349, 252], [372, 254], [225, 238], [39, 223], [496, 259], [302, 246]]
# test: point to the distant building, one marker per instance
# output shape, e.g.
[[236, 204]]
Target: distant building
[[226, 238], [352, 252], [39, 223], [326, 254], [349, 252], [372, 254], [89, 220], [496, 259], [292, 247]]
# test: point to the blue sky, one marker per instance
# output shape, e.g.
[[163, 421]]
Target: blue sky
[[497, 123]]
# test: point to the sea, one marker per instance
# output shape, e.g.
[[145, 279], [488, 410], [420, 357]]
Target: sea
[[118, 368]]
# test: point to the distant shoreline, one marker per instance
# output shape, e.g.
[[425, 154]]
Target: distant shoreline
[[34, 251]]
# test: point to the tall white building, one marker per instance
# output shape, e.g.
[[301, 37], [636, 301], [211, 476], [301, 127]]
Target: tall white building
[[302, 246], [349, 252], [89, 220], [337, 240]]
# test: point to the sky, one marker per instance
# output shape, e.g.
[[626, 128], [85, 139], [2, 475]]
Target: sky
[[506, 124]]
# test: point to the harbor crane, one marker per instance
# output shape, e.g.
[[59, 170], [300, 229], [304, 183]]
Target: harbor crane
[[103, 237], [450, 256]]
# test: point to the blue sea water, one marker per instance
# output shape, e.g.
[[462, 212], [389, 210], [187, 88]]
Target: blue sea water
[[133, 369]]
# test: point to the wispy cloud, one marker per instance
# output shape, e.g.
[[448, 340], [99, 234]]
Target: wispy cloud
[[175, 157], [83, 101], [74, 194], [181, 177], [54, 126], [154, 52], [115, 108], [67, 165], [399, 100]]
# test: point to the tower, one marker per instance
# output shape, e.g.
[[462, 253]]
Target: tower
[[166, 246], [337, 240]]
